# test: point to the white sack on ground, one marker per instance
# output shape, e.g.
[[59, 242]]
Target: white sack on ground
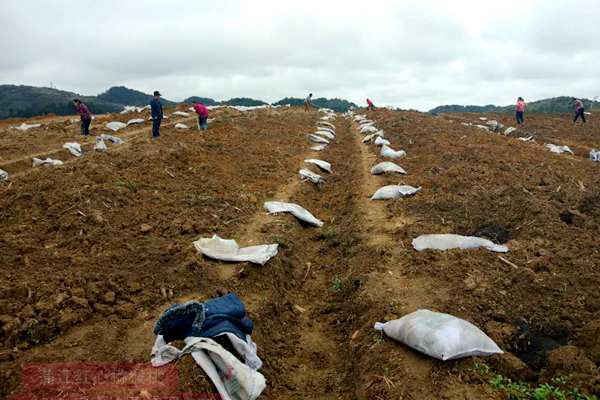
[[325, 134], [301, 213], [325, 123], [74, 148], [25, 127], [321, 128], [385, 167], [367, 129], [228, 250], [135, 121], [48, 161], [3, 175], [526, 139], [181, 126], [111, 138], [380, 141], [115, 125], [100, 145], [324, 165], [509, 130], [558, 149], [391, 153], [307, 175], [595, 155], [181, 114], [483, 118], [319, 147], [394, 191], [440, 336], [317, 139], [450, 241]]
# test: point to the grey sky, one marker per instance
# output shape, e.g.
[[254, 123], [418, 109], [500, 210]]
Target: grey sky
[[409, 53]]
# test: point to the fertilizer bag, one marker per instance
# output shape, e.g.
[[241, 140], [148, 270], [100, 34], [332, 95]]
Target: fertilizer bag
[[440, 336]]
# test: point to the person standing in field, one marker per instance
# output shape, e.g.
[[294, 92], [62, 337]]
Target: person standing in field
[[202, 112], [579, 110], [157, 114], [308, 102], [84, 114], [370, 105], [520, 111]]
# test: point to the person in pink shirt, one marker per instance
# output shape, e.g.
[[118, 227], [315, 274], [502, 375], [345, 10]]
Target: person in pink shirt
[[370, 105], [202, 112], [520, 111]]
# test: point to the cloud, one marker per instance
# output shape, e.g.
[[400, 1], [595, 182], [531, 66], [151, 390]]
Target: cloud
[[412, 53]]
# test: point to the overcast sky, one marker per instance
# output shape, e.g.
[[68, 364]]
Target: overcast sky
[[412, 54]]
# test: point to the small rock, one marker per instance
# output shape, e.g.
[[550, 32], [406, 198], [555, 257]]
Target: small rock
[[109, 297], [569, 359], [146, 228]]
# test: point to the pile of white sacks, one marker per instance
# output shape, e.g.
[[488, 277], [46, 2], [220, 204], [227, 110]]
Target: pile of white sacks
[[438, 335]]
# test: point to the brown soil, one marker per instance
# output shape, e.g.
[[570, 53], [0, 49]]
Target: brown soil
[[93, 251]]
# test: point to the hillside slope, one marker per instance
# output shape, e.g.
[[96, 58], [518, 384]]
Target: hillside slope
[[552, 105]]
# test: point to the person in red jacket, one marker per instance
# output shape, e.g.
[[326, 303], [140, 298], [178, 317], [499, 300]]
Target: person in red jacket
[[85, 115], [202, 112], [370, 105]]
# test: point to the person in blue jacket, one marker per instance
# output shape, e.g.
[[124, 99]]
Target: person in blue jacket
[[157, 114]]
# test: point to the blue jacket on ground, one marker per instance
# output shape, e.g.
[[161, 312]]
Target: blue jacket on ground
[[212, 318], [157, 110]]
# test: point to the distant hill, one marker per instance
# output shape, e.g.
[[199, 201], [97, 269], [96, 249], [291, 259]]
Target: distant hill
[[553, 105], [207, 101], [28, 101], [128, 97], [338, 105], [243, 101]]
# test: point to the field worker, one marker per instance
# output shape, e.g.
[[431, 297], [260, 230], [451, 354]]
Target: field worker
[[579, 110], [520, 111], [370, 105], [308, 102], [202, 112], [157, 114], [84, 114]]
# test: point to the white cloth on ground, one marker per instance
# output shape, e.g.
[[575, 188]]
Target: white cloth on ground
[[228, 250], [115, 125], [74, 148], [111, 138], [387, 151], [324, 165], [394, 191], [274, 207], [100, 145], [233, 379], [449, 241], [48, 161], [307, 175], [387, 166]]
